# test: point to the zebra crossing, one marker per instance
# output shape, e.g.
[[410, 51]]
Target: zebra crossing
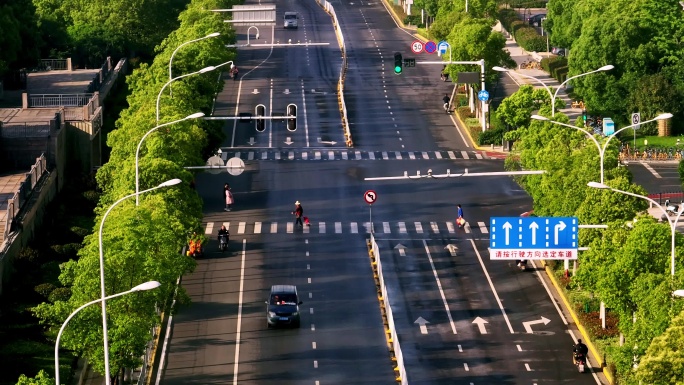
[[342, 154], [240, 228]]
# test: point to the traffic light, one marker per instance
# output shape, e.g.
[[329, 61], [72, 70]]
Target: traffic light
[[292, 117], [584, 117], [398, 63], [260, 111]]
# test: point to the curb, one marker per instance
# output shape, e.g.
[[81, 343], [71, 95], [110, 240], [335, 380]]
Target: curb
[[582, 330]]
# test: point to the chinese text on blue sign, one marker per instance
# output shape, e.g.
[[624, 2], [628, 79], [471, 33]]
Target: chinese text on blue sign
[[533, 238]]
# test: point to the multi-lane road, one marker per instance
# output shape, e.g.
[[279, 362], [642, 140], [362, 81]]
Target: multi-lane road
[[397, 125]]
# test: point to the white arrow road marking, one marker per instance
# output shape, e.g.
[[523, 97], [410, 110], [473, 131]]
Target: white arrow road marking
[[559, 227], [255, 91], [421, 323], [330, 142], [480, 322], [507, 226], [288, 141], [251, 141], [528, 324], [402, 249], [534, 227], [287, 91], [452, 249]]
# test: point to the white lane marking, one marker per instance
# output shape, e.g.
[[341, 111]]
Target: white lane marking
[[274, 227], [236, 360], [315, 364], [465, 366], [250, 155], [397, 154], [466, 227], [519, 348], [307, 253], [649, 168], [483, 227], [357, 155], [290, 227], [425, 155], [338, 227], [308, 267], [439, 286], [527, 366], [310, 295], [306, 121], [210, 228], [313, 345], [305, 155], [257, 227], [241, 228], [548, 291], [438, 155], [465, 155], [371, 155], [290, 155], [435, 228], [313, 327], [460, 348], [402, 228], [452, 155], [412, 155], [310, 310], [450, 227], [491, 285], [306, 230], [384, 155], [309, 280], [331, 155], [354, 228], [386, 227], [345, 156], [264, 155], [317, 155], [321, 227], [419, 227]]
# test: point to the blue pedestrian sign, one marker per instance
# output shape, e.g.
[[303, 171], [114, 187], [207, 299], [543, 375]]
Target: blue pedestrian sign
[[483, 95], [533, 238], [442, 47]]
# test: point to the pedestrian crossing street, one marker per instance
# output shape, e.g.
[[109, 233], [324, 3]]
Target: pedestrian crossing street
[[343, 154], [239, 228]]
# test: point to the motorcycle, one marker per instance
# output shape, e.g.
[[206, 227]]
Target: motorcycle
[[522, 264], [671, 209], [444, 76], [223, 242], [580, 361]]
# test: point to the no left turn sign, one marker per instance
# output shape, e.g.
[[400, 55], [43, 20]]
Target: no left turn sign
[[417, 46], [370, 196]]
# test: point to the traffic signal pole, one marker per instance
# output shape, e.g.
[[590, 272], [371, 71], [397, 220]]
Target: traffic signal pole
[[481, 63]]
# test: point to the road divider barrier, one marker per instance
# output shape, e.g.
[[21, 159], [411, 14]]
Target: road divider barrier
[[343, 71], [386, 311]]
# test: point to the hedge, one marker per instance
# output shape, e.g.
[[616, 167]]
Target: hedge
[[525, 35]]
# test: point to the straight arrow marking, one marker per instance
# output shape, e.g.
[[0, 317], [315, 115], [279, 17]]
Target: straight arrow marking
[[421, 323], [480, 322], [402, 249]]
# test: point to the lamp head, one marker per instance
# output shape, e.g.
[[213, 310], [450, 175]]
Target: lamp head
[[206, 69], [539, 117], [213, 34], [607, 67], [666, 115], [500, 69], [146, 286], [171, 182], [195, 115], [597, 185], [678, 293]]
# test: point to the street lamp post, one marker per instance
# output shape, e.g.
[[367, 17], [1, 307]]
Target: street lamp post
[[602, 150], [203, 70], [168, 183], [555, 94], [186, 43], [137, 151], [501, 69], [673, 223], [142, 287]]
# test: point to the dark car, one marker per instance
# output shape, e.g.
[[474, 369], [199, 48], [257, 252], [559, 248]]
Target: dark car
[[535, 20], [282, 307], [558, 51]]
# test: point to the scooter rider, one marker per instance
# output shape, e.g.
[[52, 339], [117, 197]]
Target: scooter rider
[[579, 349], [223, 231], [446, 99]]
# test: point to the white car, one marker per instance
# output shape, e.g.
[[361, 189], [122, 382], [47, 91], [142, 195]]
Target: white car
[[290, 20]]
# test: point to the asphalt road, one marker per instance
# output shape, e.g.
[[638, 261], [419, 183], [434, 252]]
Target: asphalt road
[[656, 177], [398, 126]]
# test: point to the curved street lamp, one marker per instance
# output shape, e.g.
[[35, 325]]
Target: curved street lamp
[[142, 287], [555, 94], [602, 150], [673, 223], [501, 69], [203, 70], [168, 183], [137, 151], [186, 43]]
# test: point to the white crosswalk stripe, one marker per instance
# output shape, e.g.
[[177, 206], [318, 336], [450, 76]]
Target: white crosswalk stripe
[[246, 228], [343, 154]]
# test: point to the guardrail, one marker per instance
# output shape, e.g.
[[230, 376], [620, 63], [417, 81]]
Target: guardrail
[[343, 71], [390, 319], [58, 100], [21, 197]]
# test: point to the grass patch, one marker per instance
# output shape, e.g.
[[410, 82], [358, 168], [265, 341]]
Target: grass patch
[[654, 141]]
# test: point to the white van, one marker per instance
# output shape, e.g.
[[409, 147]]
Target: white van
[[290, 20]]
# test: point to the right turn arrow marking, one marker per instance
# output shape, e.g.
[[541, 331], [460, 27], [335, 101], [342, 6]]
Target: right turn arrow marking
[[528, 324]]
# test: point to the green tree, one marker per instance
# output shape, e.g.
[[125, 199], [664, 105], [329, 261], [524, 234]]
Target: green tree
[[652, 95], [663, 362], [42, 378]]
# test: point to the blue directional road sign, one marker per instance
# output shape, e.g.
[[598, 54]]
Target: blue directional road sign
[[533, 238], [483, 95]]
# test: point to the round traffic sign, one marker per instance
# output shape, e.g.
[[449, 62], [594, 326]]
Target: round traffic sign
[[430, 47], [215, 162], [636, 118], [370, 196], [417, 46], [483, 95], [442, 47], [235, 166]]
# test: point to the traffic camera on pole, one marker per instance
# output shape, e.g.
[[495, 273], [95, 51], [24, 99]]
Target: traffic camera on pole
[[291, 117], [398, 63], [260, 112]]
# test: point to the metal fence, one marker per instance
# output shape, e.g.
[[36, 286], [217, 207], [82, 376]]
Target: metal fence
[[58, 100], [53, 64], [21, 197], [25, 130]]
